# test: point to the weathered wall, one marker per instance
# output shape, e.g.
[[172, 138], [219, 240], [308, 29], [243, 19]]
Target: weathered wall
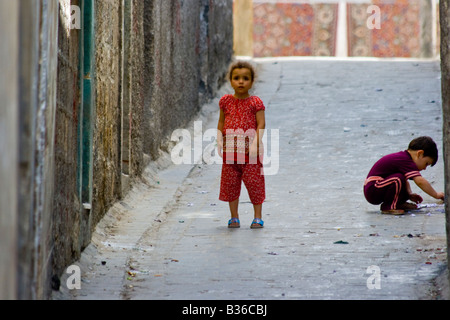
[[37, 103], [9, 33], [156, 63], [188, 48], [42, 161], [220, 43], [84, 109], [136, 67], [106, 159], [153, 64], [67, 203], [445, 79], [30, 72]]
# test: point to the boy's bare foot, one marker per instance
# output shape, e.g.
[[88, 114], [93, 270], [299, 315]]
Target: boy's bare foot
[[407, 206], [393, 212]]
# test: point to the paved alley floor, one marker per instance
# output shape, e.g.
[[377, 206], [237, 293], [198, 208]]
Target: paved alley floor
[[331, 120]]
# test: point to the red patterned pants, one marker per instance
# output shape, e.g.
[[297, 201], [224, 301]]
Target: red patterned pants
[[234, 174]]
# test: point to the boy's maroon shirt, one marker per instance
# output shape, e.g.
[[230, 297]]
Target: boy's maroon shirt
[[400, 162]]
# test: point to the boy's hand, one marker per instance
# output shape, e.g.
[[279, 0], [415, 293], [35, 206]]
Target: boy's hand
[[423, 184], [440, 195], [414, 197]]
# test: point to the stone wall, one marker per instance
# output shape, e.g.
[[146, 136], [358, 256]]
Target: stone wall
[[188, 48], [27, 113], [106, 122], [67, 202], [154, 64], [92, 95], [9, 33], [445, 79]]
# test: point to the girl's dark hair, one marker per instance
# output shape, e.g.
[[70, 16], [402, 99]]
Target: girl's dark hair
[[427, 145], [242, 65]]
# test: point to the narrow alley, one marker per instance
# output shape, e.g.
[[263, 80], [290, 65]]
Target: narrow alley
[[331, 119], [109, 179]]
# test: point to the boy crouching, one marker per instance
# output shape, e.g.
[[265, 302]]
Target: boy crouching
[[387, 182]]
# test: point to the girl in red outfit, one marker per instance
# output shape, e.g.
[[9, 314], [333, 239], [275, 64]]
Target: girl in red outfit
[[239, 139]]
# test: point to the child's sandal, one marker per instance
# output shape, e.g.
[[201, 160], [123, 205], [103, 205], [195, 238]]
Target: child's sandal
[[257, 224], [395, 212], [234, 223]]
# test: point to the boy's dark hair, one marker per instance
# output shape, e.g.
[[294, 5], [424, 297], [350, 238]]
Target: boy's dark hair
[[241, 65], [427, 145]]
